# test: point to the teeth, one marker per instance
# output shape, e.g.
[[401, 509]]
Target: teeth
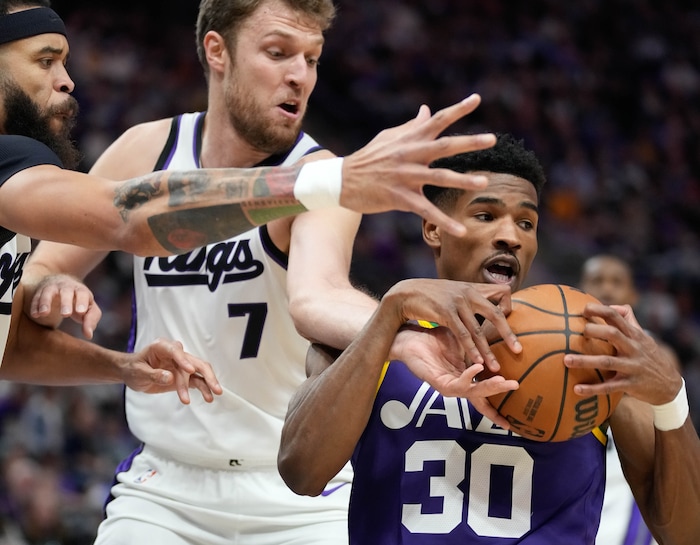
[[500, 276]]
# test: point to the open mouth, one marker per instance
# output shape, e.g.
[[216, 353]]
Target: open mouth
[[290, 107], [502, 270], [501, 273]]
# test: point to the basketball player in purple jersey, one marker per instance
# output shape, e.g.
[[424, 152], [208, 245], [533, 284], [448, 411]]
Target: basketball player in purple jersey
[[429, 469]]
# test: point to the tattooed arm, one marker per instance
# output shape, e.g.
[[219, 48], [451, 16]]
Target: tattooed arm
[[173, 212]]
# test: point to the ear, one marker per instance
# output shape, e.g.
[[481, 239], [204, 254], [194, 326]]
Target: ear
[[215, 51], [432, 235]]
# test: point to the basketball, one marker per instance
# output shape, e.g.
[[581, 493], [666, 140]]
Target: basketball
[[549, 324]]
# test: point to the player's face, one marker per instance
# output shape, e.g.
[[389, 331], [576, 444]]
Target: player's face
[[34, 88], [608, 280], [501, 239], [273, 72]]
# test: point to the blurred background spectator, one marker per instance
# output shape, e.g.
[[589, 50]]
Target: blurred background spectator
[[605, 91]]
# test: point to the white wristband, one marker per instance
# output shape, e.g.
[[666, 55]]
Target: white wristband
[[672, 415], [319, 182]]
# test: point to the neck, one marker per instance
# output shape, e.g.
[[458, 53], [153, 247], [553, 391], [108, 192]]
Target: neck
[[223, 147]]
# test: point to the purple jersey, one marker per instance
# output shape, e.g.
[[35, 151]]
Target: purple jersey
[[432, 470]]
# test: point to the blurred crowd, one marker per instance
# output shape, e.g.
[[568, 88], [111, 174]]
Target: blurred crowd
[[605, 91]]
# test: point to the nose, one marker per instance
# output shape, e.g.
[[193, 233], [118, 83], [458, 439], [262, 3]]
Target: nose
[[299, 72], [63, 82], [507, 234]]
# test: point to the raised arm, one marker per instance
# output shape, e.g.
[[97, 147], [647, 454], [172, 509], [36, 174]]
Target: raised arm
[[658, 446], [173, 212]]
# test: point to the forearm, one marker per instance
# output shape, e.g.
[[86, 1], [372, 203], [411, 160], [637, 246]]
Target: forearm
[[336, 324], [186, 210], [674, 500], [662, 469], [39, 355]]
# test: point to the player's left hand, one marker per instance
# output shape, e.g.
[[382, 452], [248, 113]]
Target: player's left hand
[[391, 170], [164, 366], [642, 369]]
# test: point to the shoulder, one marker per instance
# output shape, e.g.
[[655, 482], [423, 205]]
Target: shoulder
[[135, 152], [19, 152], [15, 147]]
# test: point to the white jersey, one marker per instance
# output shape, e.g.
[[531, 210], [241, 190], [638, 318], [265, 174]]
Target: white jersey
[[227, 304], [14, 251]]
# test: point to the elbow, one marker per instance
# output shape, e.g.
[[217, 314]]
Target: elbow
[[300, 478], [144, 244], [300, 309]]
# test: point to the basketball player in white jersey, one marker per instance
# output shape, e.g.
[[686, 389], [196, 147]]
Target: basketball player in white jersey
[[609, 279], [158, 214], [207, 473]]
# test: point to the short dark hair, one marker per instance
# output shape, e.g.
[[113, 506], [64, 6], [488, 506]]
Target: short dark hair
[[507, 156], [8, 6], [227, 16]]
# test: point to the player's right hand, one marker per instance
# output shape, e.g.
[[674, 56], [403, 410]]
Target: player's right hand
[[60, 296]]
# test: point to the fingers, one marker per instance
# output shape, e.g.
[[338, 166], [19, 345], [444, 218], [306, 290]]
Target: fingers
[[200, 384], [486, 322], [42, 301], [433, 214], [627, 313], [491, 386], [90, 320], [446, 117], [484, 407], [436, 124], [187, 370], [423, 115], [415, 201], [62, 296], [193, 372]]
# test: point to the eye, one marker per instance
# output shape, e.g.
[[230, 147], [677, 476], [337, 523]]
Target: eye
[[46, 62], [275, 53], [484, 216], [313, 62], [526, 225]]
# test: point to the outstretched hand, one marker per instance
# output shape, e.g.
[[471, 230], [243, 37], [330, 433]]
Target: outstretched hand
[[163, 366], [398, 160]]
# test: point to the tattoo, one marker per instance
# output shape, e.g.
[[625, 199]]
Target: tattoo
[[260, 215], [245, 199], [134, 194], [184, 230]]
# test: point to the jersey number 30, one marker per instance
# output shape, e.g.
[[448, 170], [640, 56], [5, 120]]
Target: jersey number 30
[[447, 487]]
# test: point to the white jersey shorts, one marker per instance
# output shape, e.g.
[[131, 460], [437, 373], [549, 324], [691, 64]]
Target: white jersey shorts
[[158, 501]]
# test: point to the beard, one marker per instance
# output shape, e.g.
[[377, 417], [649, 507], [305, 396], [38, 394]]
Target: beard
[[25, 118], [248, 119]]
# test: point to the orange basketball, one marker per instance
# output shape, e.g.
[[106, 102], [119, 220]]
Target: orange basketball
[[549, 323]]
